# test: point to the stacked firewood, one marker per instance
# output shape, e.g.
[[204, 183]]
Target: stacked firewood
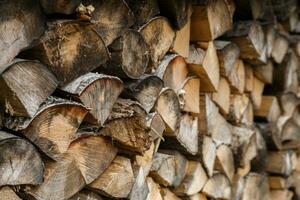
[[149, 100]]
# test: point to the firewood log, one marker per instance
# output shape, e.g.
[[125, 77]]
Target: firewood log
[[173, 71], [20, 162], [116, 181], [238, 106], [156, 124], [205, 64], [168, 195], [111, 18], [222, 96], [129, 56], [288, 103], [218, 187], [270, 33], [257, 91], [154, 190], [159, 36], [208, 154], [177, 11], [264, 72], [189, 95], [249, 78], [86, 195], [198, 196], [280, 48], [225, 161], [73, 38], [271, 135], [193, 181], [290, 135], [97, 92], [237, 77], [8, 193], [249, 36], [256, 187], [58, 6], [24, 88], [279, 162], [248, 116], [53, 127], [21, 24], [228, 54], [258, 164], [167, 105], [127, 127], [281, 194], [278, 182], [185, 138], [210, 19]]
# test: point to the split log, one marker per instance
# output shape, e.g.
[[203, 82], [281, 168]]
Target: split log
[[73, 38], [193, 181], [278, 182], [279, 162], [8, 193], [290, 135], [144, 90], [198, 196], [181, 43], [256, 94], [225, 161], [143, 11], [210, 19], [237, 77], [97, 92], [129, 56], [228, 54], [244, 148], [24, 88], [86, 195], [116, 181], [218, 187], [288, 103], [248, 116], [53, 127], [189, 95], [238, 106], [205, 64], [271, 135], [208, 154], [168, 195], [157, 126], [127, 127], [270, 33], [20, 162], [264, 72], [173, 71], [58, 6], [281, 194], [222, 96], [159, 36], [176, 11], [269, 109], [256, 187], [21, 24], [258, 164], [280, 48], [167, 105], [249, 36], [249, 78], [163, 169], [185, 138], [111, 19], [154, 190]]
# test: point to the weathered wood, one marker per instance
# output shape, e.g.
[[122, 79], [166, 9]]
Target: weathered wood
[[127, 127], [248, 116], [210, 19], [154, 190], [269, 109], [21, 23], [280, 48], [208, 154], [59, 6], [143, 11], [168, 195], [193, 181], [237, 77], [86, 195], [20, 162], [97, 92], [225, 161], [53, 127], [157, 126], [189, 95], [256, 187], [278, 182], [111, 19], [24, 88], [75, 40], [238, 106], [264, 72], [198, 196], [256, 94], [288, 103], [222, 96], [228, 54], [258, 164], [249, 78], [205, 64], [173, 71], [177, 11], [129, 56], [8, 193], [271, 135], [167, 105], [218, 187], [281, 194], [116, 181], [279, 162], [159, 36], [290, 135]]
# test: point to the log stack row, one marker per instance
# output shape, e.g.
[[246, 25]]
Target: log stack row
[[150, 100]]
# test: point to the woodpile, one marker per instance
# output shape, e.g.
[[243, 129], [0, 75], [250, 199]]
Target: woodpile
[[150, 99]]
